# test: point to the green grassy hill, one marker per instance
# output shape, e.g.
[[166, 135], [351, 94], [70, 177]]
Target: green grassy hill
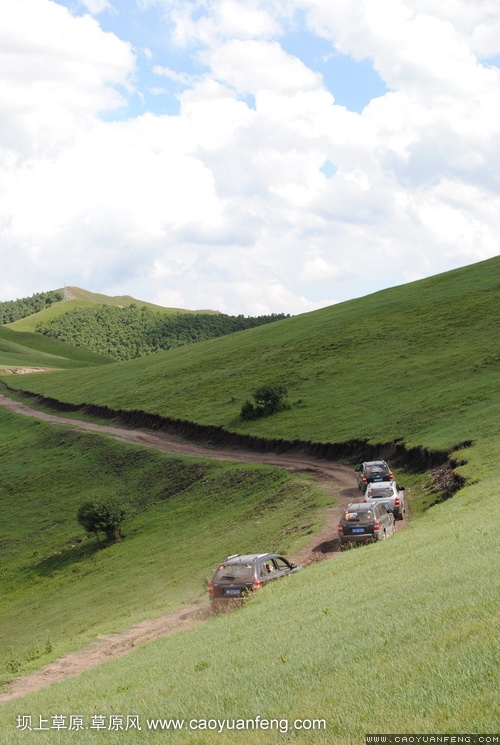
[[398, 637], [20, 347], [412, 362], [60, 588], [27, 350]]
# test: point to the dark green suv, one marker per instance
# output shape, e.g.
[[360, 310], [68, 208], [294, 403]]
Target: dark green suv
[[371, 471], [365, 521], [239, 575]]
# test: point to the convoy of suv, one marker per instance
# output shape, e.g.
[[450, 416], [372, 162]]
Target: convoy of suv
[[371, 519], [383, 503]]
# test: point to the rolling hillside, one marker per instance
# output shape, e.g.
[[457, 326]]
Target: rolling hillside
[[120, 328], [25, 350], [426, 352], [398, 637]]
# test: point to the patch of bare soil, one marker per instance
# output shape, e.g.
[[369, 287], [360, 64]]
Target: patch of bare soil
[[336, 479], [24, 370]]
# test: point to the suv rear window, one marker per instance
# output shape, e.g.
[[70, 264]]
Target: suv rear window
[[234, 571], [385, 492], [358, 515]]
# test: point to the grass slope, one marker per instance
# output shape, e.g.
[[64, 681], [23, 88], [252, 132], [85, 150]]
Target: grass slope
[[59, 590], [402, 636], [79, 298], [24, 349], [408, 362]]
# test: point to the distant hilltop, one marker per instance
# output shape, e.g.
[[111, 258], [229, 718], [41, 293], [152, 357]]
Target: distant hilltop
[[121, 327]]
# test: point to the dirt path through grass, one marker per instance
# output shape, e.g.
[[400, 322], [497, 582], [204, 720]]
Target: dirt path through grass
[[336, 479]]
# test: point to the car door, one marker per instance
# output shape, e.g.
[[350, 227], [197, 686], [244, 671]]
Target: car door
[[283, 568], [388, 519], [401, 495]]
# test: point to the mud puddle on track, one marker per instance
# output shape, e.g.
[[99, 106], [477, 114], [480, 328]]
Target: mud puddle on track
[[334, 478]]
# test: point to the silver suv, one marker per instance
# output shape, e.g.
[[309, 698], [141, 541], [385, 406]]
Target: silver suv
[[389, 494]]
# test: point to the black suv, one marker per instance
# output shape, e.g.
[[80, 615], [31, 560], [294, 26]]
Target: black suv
[[373, 470], [365, 521], [239, 575]]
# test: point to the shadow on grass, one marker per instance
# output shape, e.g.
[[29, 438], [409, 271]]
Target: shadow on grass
[[327, 547], [76, 556]]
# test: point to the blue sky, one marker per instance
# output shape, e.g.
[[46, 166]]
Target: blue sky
[[246, 155], [352, 82]]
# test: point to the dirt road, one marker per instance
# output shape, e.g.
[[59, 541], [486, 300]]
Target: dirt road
[[336, 479]]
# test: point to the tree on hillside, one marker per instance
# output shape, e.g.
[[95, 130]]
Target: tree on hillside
[[102, 517]]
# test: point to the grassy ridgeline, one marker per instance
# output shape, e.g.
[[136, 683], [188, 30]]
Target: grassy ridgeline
[[414, 362], [396, 637], [58, 591]]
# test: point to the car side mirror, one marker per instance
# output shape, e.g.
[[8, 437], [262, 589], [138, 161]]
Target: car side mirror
[[294, 566]]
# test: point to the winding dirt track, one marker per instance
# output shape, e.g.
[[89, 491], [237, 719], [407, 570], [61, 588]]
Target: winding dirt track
[[336, 479]]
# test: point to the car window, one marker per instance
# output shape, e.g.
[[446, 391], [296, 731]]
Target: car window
[[377, 493], [234, 572], [267, 568], [281, 564], [358, 515]]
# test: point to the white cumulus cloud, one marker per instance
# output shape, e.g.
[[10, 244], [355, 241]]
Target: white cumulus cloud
[[226, 204]]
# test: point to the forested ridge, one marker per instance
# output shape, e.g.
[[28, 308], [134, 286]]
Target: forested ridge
[[136, 331], [13, 310]]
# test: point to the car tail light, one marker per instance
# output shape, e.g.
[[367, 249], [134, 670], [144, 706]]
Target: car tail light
[[376, 525], [340, 529], [256, 584], [391, 476], [363, 479], [397, 501], [211, 587], [365, 500]]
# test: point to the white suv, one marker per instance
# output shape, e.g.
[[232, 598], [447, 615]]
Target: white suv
[[389, 494]]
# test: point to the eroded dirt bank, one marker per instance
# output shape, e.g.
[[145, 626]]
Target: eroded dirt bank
[[352, 451]]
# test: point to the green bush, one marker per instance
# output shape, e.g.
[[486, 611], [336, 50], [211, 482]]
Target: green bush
[[269, 398], [102, 517]]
